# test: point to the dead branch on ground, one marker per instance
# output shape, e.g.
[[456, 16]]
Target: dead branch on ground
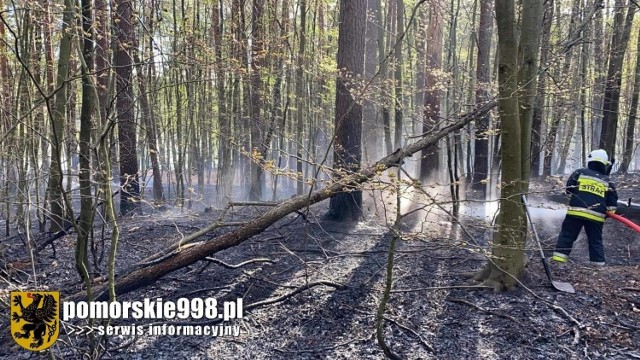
[[237, 266]]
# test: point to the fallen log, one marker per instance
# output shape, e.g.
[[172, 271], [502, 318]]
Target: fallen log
[[149, 274]]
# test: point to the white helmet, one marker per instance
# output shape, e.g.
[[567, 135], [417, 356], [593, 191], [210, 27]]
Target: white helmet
[[598, 155]]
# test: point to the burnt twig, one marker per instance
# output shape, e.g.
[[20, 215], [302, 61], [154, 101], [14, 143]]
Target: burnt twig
[[229, 266]]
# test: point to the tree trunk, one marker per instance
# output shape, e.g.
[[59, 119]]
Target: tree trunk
[[346, 206], [382, 58], [430, 161], [628, 148], [280, 110], [611, 103], [538, 109], [584, 84], [370, 129], [225, 177], [258, 147], [87, 114], [397, 74], [570, 121], [103, 74], [5, 121], [150, 123], [483, 78], [300, 97], [58, 122], [529, 51], [122, 61], [507, 262], [421, 67], [599, 81]]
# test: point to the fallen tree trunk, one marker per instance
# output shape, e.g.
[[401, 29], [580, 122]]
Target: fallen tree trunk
[[200, 251]]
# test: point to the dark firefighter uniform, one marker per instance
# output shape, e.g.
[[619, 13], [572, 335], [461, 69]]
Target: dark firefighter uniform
[[592, 196]]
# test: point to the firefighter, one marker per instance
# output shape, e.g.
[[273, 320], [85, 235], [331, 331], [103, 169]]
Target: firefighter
[[593, 196]]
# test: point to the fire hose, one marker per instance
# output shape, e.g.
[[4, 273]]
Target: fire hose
[[625, 221]]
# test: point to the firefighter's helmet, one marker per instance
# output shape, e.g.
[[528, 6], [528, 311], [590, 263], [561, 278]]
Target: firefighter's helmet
[[598, 155]]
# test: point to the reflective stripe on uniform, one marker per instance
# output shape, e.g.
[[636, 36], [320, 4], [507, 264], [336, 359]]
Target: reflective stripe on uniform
[[592, 185], [596, 179], [586, 213], [559, 257]]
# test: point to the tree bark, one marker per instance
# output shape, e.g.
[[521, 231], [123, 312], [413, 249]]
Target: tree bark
[[529, 51], [87, 113], [102, 74], [224, 176], [571, 70], [382, 58], [597, 96], [397, 74], [370, 129], [258, 147], [347, 205], [58, 122], [150, 122], [627, 151], [508, 260], [538, 109], [430, 161], [300, 97], [611, 103], [483, 78], [371, 143], [122, 61]]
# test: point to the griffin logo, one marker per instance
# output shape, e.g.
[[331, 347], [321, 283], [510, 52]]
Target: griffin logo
[[35, 318]]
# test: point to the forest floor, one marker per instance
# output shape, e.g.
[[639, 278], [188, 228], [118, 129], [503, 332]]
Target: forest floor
[[327, 278]]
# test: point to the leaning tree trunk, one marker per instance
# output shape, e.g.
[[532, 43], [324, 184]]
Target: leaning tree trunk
[[143, 275]]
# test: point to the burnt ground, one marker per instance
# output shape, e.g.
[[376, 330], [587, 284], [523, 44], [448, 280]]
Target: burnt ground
[[434, 311]]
